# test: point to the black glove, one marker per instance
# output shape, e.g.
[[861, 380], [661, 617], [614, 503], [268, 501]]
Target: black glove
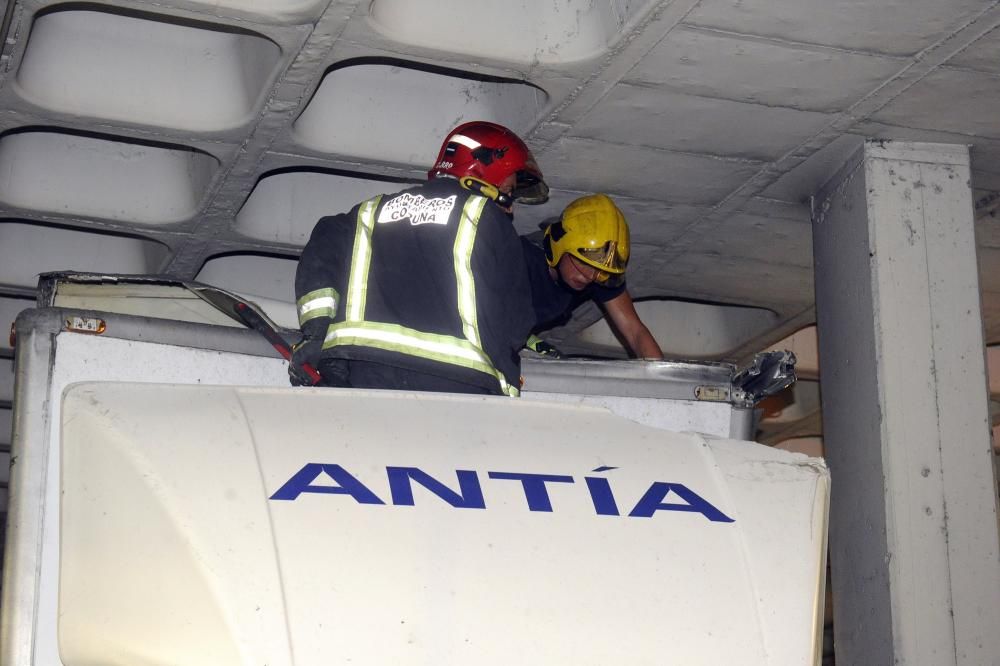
[[539, 346], [306, 351]]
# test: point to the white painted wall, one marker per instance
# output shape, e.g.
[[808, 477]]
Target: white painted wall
[[77, 175], [285, 207], [44, 248], [149, 73], [397, 114], [546, 32]]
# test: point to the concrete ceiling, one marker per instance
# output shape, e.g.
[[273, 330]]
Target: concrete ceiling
[[204, 139]]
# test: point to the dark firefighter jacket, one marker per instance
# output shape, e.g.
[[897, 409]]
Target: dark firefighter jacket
[[431, 279]]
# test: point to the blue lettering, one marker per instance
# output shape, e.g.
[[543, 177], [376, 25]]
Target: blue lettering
[[470, 493], [600, 493], [301, 482], [534, 487], [469, 497], [652, 502]]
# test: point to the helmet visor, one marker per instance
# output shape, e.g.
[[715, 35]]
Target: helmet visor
[[530, 188], [607, 258]]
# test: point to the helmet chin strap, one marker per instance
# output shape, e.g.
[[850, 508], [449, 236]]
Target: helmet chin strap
[[489, 191]]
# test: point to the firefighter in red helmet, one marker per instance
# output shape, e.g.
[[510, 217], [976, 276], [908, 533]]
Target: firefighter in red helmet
[[492, 160], [425, 289]]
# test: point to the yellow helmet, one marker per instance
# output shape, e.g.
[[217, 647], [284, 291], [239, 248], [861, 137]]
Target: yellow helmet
[[593, 230]]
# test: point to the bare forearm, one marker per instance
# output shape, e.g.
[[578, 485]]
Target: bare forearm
[[644, 345], [640, 341]]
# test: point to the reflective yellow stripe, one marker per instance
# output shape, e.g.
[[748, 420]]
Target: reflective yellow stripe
[[392, 337], [357, 288], [318, 303], [465, 239], [407, 340]]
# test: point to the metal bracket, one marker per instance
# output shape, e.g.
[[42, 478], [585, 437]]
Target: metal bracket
[[769, 373]]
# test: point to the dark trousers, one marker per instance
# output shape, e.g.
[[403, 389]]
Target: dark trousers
[[368, 374]]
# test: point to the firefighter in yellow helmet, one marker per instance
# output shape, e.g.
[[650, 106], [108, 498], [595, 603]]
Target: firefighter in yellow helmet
[[583, 257]]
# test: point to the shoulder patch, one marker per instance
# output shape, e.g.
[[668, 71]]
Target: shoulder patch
[[417, 209]]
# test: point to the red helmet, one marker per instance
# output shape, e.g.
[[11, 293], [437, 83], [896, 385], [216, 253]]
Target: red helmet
[[490, 153]]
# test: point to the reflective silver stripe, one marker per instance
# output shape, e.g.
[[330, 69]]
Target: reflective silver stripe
[[357, 288], [392, 337], [328, 302], [408, 341], [318, 303], [464, 241]]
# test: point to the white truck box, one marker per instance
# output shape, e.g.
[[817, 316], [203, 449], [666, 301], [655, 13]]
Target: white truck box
[[174, 502]]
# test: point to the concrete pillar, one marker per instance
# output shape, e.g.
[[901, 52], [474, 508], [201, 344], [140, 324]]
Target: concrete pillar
[[913, 526]]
